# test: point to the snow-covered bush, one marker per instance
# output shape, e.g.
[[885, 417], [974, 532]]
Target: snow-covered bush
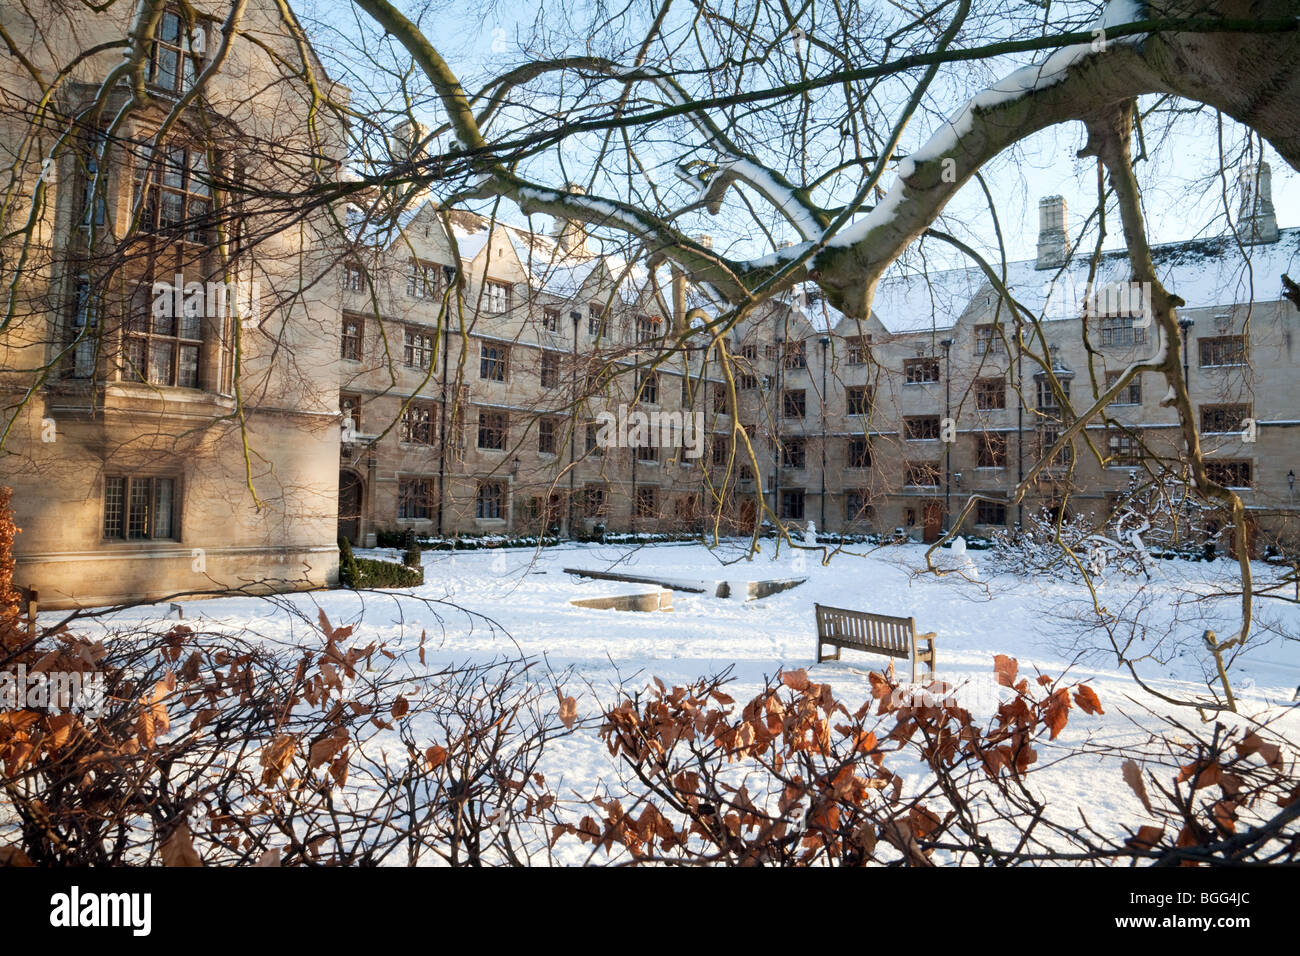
[[1156, 520]]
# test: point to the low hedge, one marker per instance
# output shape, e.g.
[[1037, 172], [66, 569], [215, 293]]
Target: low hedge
[[357, 572], [374, 573]]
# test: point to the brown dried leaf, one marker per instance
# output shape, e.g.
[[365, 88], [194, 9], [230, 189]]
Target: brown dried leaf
[[178, 850], [1088, 700], [1133, 777], [568, 710], [276, 757]]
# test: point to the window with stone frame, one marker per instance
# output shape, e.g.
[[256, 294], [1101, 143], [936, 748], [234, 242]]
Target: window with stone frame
[[921, 428], [493, 427], [858, 453], [1224, 419], [646, 503], [792, 503], [549, 371], [174, 185], [988, 340], [1122, 331], [648, 389], [350, 339], [593, 502], [496, 296], [721, 399], [354, 277], [419, 347], [494, 361], [84, 331], [858, 507], [923, 370], [720, 450], [858, 399], [490, 501], [921, 474], [991, 450], [418, 424], [414, 498], [423, 279], [648, 328], [162, 345], [794, 453], [141, 508], [548, 430], [1130, 394], [1125, 448], [1223, 350], [857, 349], [1231, 473], [177, 53], [990, 394]]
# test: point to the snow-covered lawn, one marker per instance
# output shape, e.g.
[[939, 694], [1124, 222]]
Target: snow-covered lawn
[[477, 606]]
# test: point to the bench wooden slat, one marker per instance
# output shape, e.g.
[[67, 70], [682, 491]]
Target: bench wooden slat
[[874, 633]]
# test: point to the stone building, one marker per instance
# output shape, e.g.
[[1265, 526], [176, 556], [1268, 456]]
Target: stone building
[[846, 420], [523, 415], [939, 350], [170, 399]]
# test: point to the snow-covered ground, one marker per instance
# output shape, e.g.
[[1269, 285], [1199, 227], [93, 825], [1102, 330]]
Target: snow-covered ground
[[477, 606]]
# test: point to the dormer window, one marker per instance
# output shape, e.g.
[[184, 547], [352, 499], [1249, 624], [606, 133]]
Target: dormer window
[[647, 327], [354, 277], [422, 279], [496, 297]]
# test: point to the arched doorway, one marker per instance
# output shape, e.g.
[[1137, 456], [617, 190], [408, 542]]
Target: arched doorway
[[350, 497]]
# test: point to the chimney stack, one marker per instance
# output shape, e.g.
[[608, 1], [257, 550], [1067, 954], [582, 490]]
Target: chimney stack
[[1256, 220], [1053, 241], [409, 142]]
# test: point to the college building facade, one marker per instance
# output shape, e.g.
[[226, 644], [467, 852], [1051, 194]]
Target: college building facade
[[857, 426]]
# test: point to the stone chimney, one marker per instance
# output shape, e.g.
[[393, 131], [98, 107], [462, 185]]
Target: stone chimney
[[570, 234], [408, 142], [1256, 220], [1053, 241]]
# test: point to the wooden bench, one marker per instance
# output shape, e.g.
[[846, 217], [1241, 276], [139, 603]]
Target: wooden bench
[[874, 633]]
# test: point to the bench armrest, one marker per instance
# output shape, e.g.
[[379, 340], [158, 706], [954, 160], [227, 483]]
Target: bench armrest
[[928, 636]]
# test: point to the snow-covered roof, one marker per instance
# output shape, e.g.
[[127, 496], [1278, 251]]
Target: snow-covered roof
[[1204, 272]]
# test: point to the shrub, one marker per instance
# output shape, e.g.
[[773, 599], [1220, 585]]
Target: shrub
[[372, 573], [349, 574]]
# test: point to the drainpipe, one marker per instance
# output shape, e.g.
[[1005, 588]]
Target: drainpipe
[[1020, 420], [442, 429], [947, 414], [573, 429], [824, 341], [780, 420]]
